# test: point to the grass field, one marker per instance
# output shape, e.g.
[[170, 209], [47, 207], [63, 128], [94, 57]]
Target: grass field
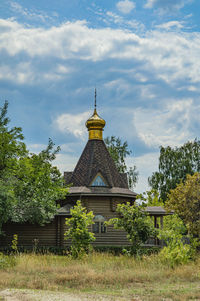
[[106, 274]]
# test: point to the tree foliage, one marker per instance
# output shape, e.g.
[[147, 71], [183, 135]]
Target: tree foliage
[[150, 198], [11, 148], [179, 248], [174, 165], [11, 145], [135, 221], [38, 185], [185, 201], [6, 198], [29, 184], [119, 151], [78, 231]]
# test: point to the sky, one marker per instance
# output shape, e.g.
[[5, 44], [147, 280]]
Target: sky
[[143, 57]]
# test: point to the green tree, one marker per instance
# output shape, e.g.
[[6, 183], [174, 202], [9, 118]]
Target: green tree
[[119, 152], [136, 222], [6, 198], [11, 148], [185, 201], [11, 145], [78, 230], [29, 184], [38, 185], [176, 251], [150, 198], [174, 165]]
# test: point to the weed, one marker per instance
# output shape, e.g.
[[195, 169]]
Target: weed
[[7, 261], [145, 276]]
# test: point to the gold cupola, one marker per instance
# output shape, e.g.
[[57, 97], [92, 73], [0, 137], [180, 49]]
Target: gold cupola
[[95, 124]]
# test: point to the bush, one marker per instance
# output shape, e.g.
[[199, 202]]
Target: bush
[[7, 261], [135, 221], [179, 248], [78, 232], [177, 254]]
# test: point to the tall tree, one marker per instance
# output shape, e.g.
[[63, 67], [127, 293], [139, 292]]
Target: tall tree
[[29, 184], [185, 201], [38, 185], [11, 148], [119, 151], [174, 165], [11, 142]]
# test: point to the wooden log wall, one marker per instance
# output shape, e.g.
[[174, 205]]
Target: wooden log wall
[[52, 234], [106, 207], [28, 232]]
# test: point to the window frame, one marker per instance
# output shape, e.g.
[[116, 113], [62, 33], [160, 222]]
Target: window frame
[[99, 226]]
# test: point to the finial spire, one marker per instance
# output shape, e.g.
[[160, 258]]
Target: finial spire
[[95, 99]]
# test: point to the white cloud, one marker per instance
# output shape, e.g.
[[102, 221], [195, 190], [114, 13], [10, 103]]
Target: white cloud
[[166, 5], [63, 69], [192, 89], [115, 18], [65, 162], [146, 92], [19, 73], [69, 40], [140, 77], [36, 148], [132, 24], [125, 6], [140, 27], [170, 125], [146, 165], [120, 86], [170, 25], [27, 73], [170, 55], [73, 124], [149, 3], [29, 14]]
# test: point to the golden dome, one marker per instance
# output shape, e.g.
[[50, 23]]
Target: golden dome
[[95, 122], [95, 125]]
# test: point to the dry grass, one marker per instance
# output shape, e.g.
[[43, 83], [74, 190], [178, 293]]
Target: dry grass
[[105, 273]]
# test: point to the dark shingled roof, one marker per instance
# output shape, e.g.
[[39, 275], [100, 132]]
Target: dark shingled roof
[[96, 158], [67, 176]]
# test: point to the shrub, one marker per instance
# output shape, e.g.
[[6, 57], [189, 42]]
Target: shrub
[[135, 221], [78, 232], [176, 251], [7, 261]]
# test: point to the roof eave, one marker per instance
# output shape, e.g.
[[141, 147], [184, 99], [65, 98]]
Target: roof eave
[[102, 194]]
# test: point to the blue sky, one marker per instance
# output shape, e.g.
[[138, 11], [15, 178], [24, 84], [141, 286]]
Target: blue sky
[[143, 57]]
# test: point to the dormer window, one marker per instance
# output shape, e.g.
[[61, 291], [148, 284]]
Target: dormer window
[[98, 181]]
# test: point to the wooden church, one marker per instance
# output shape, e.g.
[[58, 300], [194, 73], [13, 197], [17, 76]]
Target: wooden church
[[100, 187]]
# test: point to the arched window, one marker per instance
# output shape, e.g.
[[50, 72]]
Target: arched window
[[99, 226]]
